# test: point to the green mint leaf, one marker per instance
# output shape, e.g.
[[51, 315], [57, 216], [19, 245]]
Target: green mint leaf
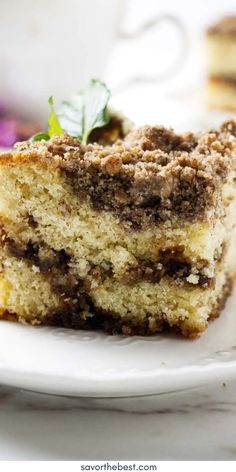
[[79, 116], [70, 114], [95, 114], [40, 136], [53, 121], [85, 111]]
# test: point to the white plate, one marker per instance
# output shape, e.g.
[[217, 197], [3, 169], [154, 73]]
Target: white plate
[[82, 363]]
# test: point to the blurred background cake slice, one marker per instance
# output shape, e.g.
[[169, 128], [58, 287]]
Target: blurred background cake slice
[[221, 57]]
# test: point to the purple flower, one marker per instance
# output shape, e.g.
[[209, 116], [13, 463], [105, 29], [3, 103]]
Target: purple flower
[[8, 132]]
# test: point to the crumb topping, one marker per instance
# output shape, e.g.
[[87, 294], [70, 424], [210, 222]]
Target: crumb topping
[[151, 175], [226, 26]]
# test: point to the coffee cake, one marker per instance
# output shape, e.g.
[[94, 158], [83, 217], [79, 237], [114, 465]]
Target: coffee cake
[[132, 237], [221, 55]]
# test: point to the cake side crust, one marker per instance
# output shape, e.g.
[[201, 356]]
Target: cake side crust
[[113, 324]]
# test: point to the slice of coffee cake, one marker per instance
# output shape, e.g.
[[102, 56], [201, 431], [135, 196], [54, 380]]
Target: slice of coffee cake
[[130, 238], [221, 58]]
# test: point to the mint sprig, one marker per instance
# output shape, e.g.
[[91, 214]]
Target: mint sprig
[[40, 136], [95, 99], [54, 126], [78, 117]]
